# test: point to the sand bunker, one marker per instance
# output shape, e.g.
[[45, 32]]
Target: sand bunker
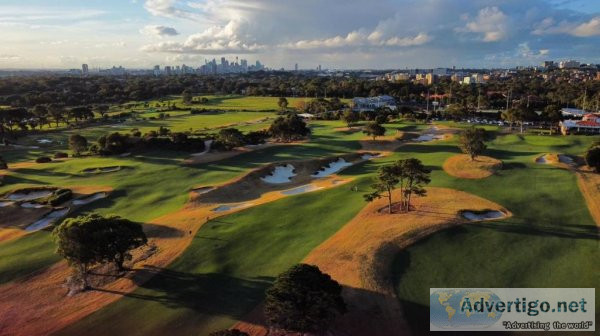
[[274, 177], [553, 158], [44, 141], [5, 204], [332, 168], [281, 174], [29, 194], [48, 220], [227, 207], [482, 215], [102, 170], [301, 189], [202, 190], [370, 156], [428, 137], [29, 205], [207, 146], [462, 166], [90, 199]]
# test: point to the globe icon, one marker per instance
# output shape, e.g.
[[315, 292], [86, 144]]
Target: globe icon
[[445, 309]]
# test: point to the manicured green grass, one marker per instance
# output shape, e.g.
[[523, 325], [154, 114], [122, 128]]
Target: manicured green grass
[[231, 261], [152, 185], [551, 241], [225, 271]]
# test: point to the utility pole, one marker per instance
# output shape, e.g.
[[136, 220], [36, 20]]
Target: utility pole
[[427, 101], [479, 100], [584, 99]]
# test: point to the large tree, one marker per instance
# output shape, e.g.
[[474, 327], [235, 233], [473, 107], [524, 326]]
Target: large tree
[[230, 138], [288, 128], [385, 182], [303, 299], [78, 144], [409, 174], [88, 240], [350, 117], [57, 112], [119, 237], [413, 176], [282, 103], [187, 96], [592, 157], [373, 130], [553, 115], [472, 141]]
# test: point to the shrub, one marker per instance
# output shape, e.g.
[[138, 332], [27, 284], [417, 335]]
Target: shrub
[[43, 159], [59, 197]]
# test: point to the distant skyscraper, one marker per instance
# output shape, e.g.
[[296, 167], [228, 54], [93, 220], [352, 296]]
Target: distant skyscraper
[[319, 67], [296, 67], [85, 69]]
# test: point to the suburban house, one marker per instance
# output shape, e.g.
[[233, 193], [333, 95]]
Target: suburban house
[[589, 124], [360, 104]]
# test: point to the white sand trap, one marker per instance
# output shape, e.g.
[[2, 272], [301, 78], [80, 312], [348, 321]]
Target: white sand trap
[[48, 220], [90, 199], [477, 216], [44, 141], [29, 196], [203, 190], [333, 168], [541, 160], [102, 170], [5, 204], [428, 137], [207, 145], [370, 156], [227, 207], [566, 159], [281, 174], [301, 190], [29, 205]]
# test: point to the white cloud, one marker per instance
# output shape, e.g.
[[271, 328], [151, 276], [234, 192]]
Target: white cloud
[[159, 31], [491, 22], [360, 39], [170, 9], [548, 26], [6, 57]]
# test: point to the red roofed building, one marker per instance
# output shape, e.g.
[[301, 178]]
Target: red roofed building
[[590, 123]]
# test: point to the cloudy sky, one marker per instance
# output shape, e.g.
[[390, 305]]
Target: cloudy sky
[[334, 33]]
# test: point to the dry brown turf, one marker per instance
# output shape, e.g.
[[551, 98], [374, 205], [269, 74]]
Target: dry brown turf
[[39, 305], [462, 166], [359, 256]]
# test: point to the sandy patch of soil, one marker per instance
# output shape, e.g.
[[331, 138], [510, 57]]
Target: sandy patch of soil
[[252, 186], [462, 166], [589, 184], [359, 256], [39, 305], [383, 144]]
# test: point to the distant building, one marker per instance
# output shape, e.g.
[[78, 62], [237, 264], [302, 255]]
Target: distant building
[[85, 70], [371, 103], [589, 124], [570, 64], [430, 79], [296, 67], [156, 70], [572, 112]]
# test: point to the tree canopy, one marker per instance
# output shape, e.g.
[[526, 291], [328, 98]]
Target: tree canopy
[[78, 144], [288, 128], [88, 240], [592, 157], [472, 141], [303, 299], [373, 129]]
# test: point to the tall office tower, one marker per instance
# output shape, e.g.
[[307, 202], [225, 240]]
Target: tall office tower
[[85, 69]]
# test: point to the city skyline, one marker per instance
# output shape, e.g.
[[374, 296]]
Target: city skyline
[[384, 34]]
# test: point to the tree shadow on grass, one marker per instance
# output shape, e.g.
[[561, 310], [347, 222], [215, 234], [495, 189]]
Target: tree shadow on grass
[[207, 293]]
